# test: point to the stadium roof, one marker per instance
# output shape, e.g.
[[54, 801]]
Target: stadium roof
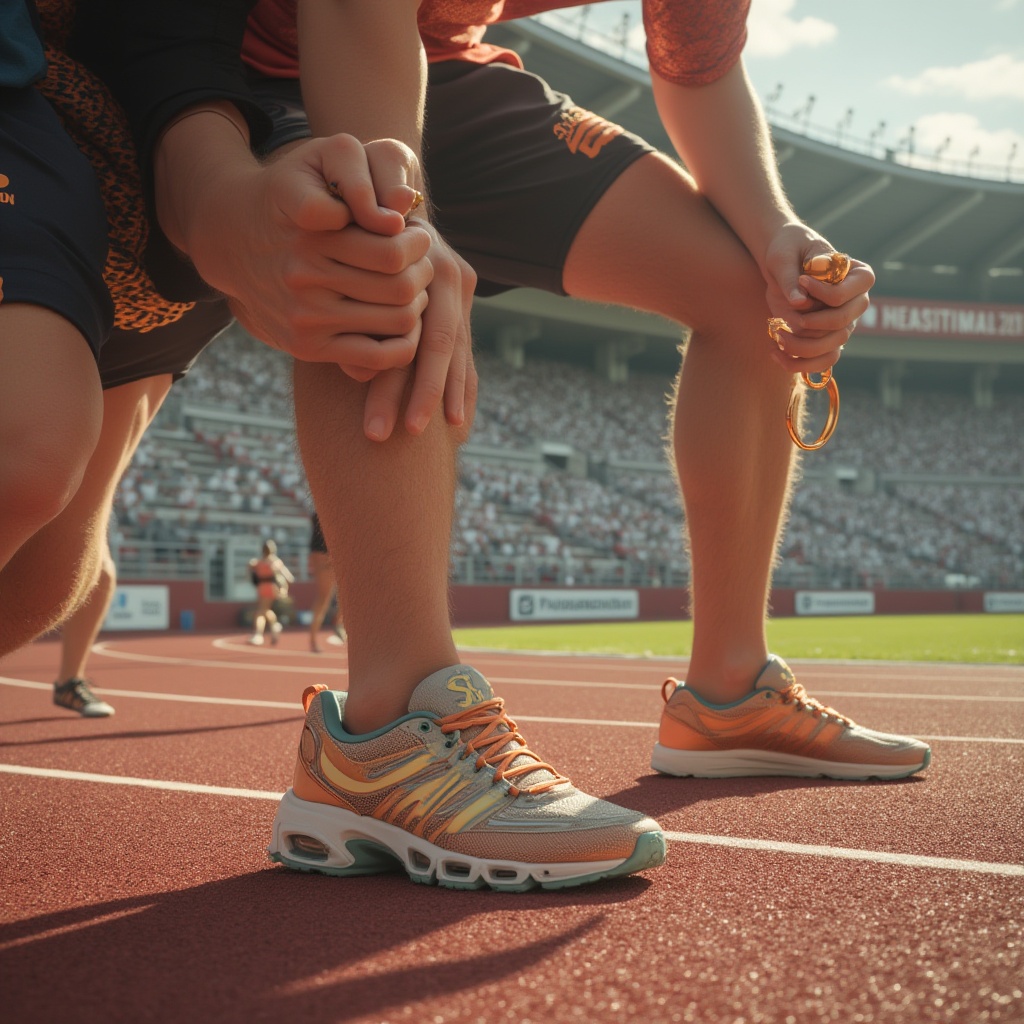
[[928, 235]]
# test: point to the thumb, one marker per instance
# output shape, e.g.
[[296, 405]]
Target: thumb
[[309, 202]]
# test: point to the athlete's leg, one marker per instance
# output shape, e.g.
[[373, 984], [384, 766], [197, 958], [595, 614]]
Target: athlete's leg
[[50, 412], [732, 452], [51, 574], [323, 580], [79, 631], [386, 511]]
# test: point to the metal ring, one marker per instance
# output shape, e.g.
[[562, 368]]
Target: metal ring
[[830, 267], [830, 422], [418, 200], [775, 325]]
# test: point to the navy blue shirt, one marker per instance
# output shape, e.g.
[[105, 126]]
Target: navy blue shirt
[[22, 61]]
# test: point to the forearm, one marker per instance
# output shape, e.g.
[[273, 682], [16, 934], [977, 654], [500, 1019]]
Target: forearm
[[363, 69], [720, 132], [200, 162]]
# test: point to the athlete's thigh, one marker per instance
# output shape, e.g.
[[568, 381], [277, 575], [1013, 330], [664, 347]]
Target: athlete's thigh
[[653, 242], [515, 167]]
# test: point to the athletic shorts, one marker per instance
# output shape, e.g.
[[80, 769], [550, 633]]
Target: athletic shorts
[[53, 225], [514, 167], [129, 356], [53, 248]]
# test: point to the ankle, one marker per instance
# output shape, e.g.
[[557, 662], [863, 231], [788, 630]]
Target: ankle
[[724, 682]]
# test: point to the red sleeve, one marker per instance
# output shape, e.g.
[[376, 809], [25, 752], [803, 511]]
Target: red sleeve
[[694, 42]]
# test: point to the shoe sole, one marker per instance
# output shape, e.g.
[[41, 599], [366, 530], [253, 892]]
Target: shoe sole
[[726, 764], [323, 838]]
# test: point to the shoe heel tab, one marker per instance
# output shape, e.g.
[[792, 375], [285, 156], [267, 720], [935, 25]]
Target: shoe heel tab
[[310, 693], [668, 688]]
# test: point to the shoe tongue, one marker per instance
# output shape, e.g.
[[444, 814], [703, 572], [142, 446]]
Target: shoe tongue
[[451, 690], [456, 689], [776, 675]]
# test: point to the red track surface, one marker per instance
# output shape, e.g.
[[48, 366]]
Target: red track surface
[[125, 903]]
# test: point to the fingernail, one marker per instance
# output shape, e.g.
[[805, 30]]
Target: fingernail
[[376, 429], [419, 424], [796, 295]]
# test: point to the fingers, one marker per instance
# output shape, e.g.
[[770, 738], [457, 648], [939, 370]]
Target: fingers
[[383, 403], [343, 164], [445, 332], [373, 252], [396, 176]]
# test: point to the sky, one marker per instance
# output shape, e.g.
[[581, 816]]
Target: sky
[[949, 69]]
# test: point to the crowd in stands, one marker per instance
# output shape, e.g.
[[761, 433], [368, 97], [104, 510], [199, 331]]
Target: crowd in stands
[[616, 506]]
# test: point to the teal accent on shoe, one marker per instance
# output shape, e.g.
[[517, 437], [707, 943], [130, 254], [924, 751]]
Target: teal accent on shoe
[[650, 851], [333, 720], [370, 859]]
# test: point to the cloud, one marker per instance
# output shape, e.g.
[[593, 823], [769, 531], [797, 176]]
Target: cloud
[[996, 78], [969, 140], [772, 31]]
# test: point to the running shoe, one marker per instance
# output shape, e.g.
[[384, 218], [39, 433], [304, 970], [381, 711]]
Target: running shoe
[[77, 695], [451, 794], [778, 729], [256, 639], [275, 632]]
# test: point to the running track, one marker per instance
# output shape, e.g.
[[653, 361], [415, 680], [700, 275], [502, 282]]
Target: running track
[[134, 885]]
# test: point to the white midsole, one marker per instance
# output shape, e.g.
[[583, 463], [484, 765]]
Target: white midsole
[[335, 827], [726, 763]]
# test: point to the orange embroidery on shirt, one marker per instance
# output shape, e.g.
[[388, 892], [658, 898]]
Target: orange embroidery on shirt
[[585, 132]]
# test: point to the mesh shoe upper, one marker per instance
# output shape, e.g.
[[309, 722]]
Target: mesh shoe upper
[[456, 772], [779, 715]]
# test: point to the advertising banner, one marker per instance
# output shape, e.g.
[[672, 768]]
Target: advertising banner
[[835, 602], [139, 607], [578, 605], [924, 318], [1003, 602]]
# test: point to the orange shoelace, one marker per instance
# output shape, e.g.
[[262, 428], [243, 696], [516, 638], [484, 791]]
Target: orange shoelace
[[490, 743], [796, 694]]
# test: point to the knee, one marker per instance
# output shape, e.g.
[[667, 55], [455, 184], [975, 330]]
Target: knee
[[41, 469]]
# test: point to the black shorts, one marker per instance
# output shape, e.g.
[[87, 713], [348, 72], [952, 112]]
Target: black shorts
[[514, 167], [53, 225], [128, 356]]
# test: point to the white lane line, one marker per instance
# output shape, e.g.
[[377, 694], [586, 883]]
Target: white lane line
[[872, 856], [102, 649], [246, 666], [188, 698], [184, 698], [127, 780], [242, 647]]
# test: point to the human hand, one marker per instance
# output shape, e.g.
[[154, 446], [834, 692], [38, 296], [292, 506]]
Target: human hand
[[443, 368], [272, 239], [821, 316]]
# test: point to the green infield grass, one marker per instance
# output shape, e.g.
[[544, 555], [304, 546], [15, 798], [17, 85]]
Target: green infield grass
[[957, 638]]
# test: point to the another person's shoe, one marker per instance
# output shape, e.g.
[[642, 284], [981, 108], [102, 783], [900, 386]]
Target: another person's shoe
[[76, 695], [337, 636], [275, 632], [779, 729], [451, 794], [256, 639]]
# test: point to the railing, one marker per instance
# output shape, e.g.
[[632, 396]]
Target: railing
[[222, 563]]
